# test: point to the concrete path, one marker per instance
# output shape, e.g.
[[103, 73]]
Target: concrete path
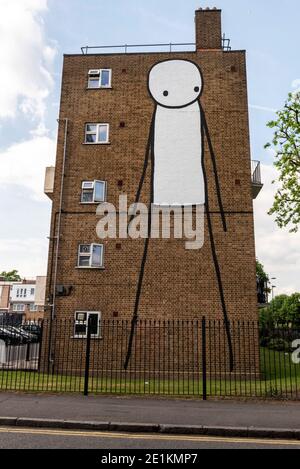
[[160, 414]]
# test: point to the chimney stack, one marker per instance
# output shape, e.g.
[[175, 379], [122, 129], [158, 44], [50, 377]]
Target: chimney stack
[[208, 29]]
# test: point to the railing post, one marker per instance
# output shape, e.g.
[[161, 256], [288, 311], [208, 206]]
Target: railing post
[[40, 343], [28, 349], [87, 358], [204, 368]]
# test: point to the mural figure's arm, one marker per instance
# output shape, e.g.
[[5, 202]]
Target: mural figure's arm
[[213, 158], [145, 167]]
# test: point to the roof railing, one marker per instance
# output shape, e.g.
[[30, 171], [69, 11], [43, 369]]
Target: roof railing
[[170, 46], [85, 50]]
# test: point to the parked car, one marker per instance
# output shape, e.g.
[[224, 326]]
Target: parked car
[[27, 337], [9, 337], [34, 329]]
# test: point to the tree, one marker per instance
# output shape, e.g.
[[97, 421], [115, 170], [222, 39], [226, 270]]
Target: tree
[[12, 276], [290, 311], [260, 272], [286, 143], [262, 280], [282, 310]]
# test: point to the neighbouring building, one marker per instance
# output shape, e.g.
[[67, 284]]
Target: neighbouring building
[[105, 116], [5, 287], [27, 299]]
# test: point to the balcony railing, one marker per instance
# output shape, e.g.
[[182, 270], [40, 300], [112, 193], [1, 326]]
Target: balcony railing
[[257, 184], [256, 172]]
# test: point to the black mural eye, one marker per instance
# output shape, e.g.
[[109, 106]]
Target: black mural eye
[[196, 89], [166, 93]]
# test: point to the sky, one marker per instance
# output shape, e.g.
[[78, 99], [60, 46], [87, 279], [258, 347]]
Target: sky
[[34, 35]]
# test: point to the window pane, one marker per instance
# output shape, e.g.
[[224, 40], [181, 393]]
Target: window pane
[[94, 320], [88, 185], [99, 191], [80, 329], [91, 128], [85, 248], [81, 317], [105, 77], [93, 82], [87, 196], [84, 261], [102, 133], [90, 138], [97, 256]]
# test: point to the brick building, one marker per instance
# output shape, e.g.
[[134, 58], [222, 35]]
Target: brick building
[[22, 300], [105, 116], [27, 299]]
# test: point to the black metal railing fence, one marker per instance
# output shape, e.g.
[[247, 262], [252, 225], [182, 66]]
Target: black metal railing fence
[[169, 357]]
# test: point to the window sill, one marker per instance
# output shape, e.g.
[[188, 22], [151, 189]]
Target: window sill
[[77, 337], [90, 268], [93, 203], [99, 88], [96, 143]]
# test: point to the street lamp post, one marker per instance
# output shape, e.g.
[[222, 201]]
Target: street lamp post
[[273, 287]]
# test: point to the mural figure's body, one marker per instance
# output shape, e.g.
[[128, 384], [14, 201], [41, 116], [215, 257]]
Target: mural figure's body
[[176, 151], [178, 172]]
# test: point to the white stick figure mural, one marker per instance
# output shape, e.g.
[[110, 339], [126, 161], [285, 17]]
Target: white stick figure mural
[[175, 151]]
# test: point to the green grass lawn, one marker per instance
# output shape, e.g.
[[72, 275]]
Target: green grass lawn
[[279, 378]]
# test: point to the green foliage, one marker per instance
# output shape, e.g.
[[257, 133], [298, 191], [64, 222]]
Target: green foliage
[[282, 310], [279, 345], [260, 272], [286, 142], [12, 276], [291, 309]]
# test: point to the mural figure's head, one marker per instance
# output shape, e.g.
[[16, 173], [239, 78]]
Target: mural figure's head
[[175, 83]]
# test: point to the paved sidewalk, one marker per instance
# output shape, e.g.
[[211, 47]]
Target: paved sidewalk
[[160, 414]]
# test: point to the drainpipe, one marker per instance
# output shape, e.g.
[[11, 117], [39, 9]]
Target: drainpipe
[[57, 237]]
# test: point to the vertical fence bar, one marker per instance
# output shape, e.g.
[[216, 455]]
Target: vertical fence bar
[[87, 358], [204, 377]]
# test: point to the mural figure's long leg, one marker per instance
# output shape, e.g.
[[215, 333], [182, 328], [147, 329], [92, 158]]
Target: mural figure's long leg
[[221, 290], [211, 234], [150, 149], [138, 294]]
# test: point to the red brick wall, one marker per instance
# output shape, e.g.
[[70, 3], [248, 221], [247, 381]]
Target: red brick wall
[[178, 283], [208, 29]]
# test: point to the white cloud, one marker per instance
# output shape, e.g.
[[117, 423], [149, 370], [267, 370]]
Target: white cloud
[[276, 248], [262, 108], [296, 85], [26, 58], [23, 164], [28, 256]]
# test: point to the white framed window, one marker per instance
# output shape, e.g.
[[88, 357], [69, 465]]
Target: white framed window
[[100, 78], [32, 291], [96, 133], [18, 293], [81, 324], [90, 256], [93, 192], [18, 307], [33, 308]]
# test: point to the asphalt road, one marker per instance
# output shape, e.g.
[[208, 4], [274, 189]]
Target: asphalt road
[[19, 438]]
